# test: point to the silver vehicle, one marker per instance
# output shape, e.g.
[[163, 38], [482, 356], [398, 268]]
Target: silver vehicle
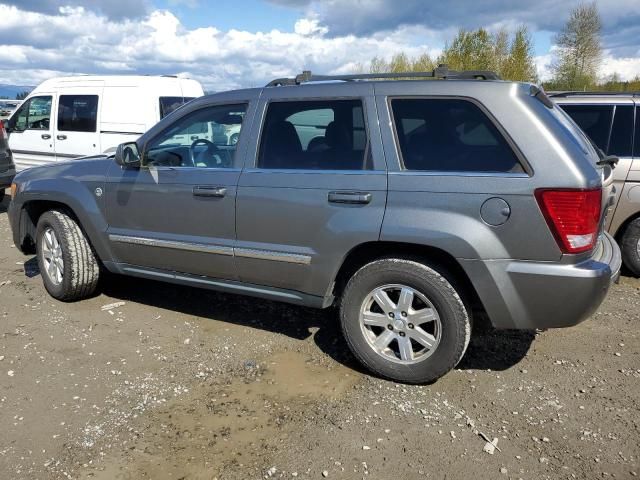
[[612, 121], [409, 205]]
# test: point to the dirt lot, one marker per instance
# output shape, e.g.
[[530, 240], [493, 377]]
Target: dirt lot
[[178, 383]]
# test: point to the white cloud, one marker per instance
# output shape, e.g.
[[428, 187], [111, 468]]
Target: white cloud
[[160, 44]]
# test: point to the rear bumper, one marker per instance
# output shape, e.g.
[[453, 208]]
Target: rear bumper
[[527, 295]]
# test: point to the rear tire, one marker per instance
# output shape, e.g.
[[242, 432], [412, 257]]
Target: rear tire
[[630, 246], [392, 310], [1, 195], [69, 268]]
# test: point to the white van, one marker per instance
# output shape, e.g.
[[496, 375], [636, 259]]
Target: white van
[[70, 117]]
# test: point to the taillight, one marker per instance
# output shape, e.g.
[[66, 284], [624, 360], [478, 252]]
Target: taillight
[[573, 216], [3, 132]]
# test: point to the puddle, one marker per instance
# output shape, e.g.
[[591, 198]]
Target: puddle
[[220, 426]]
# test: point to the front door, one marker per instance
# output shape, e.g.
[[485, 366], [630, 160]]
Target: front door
[[31, 132], [177, 212], [76, 124], [315, 187]]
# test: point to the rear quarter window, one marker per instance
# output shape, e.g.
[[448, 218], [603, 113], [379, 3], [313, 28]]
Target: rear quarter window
[[450, 135]]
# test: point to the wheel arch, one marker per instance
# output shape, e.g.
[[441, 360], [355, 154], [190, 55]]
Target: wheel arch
[[443, 261], [31, 212]]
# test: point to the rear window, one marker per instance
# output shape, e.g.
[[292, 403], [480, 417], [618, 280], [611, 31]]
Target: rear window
[[450, 135], [78, 113], [169, 104]]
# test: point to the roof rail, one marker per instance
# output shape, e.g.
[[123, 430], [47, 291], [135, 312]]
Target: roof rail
[[441, 72], [577, 93]]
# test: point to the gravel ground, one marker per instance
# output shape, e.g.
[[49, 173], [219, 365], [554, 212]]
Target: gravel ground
[[148, 380]]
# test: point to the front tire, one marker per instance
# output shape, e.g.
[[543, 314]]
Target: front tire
[[630, 246], [69, 268], [404, 321]]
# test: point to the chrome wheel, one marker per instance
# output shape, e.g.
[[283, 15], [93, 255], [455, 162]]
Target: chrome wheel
[[400, 324], [52, 256]]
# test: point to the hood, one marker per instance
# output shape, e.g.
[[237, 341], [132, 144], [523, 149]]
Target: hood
[[86, 168]]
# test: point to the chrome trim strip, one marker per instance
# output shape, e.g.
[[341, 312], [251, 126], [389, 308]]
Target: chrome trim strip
[[215, 249], [271, 255], [191, 247]]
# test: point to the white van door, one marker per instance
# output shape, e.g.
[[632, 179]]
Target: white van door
[[76, 126], [31, 132]]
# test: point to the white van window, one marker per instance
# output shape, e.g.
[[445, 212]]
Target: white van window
[[78, 113], [169, 104], [34, 114]]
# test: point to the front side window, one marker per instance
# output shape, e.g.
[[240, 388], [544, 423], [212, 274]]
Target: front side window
[[34, 114], [594, 120], [450, 135], [170, 104], [315, 135], [206, 138], [77, 113]]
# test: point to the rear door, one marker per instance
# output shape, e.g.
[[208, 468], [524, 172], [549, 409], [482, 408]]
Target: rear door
[[76, 123], [31, 132], [313, 188]]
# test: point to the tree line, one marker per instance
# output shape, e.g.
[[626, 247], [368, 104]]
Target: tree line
[[577, 56]]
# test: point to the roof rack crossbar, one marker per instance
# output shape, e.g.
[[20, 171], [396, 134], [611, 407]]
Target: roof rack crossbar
[[441, 72]]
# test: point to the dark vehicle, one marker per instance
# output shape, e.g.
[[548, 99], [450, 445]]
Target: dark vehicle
[[612, 121], [7, 168], [409, 205]]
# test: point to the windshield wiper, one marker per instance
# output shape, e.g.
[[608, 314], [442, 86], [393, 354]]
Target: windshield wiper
[[610, 160]]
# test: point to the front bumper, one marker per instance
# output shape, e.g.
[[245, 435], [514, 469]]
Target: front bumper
[[6, 176], [528, 295]]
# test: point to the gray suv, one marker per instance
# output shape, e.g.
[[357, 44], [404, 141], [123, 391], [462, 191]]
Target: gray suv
[[410, 205], [7, 168], [612, 121]]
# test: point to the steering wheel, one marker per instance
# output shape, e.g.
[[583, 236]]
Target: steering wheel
[[211, 148]]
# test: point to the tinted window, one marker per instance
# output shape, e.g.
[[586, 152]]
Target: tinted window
[[621, 132], [169, 104], [636, 143], [315, 135], [594, 120], [205, 139], [450, 135], [33, 114], [78, 113]]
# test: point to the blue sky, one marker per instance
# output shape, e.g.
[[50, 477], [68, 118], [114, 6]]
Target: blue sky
[[241, 43]]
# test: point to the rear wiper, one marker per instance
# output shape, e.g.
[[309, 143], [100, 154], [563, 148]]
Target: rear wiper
[[610, 160]]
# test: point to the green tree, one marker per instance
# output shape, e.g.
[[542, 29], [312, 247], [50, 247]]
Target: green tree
[[579, 49], [520, 65], [400, 63], [424, 63], [473, 50], [22, 95]]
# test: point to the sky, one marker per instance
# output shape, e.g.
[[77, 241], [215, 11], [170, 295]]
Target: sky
[[228, 44]]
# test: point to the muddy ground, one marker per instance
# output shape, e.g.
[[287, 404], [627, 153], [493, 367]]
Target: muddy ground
[[177, 383]]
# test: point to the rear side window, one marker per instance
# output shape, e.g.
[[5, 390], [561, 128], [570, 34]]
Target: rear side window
[[315, 135], [450, 135], [594, 120], [78, 113], [169, 104], [621, 139]]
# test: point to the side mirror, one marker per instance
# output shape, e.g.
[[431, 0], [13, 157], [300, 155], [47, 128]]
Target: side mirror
[[128, 155]]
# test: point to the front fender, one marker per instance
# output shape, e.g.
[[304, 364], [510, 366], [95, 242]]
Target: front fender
[[79, 190]]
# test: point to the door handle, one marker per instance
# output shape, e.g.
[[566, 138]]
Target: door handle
[[45, 136], [61, 137], [362, 198], [209, 191]]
